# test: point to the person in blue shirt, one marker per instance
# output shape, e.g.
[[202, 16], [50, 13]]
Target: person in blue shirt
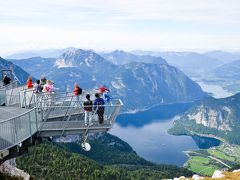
[[98, 106]]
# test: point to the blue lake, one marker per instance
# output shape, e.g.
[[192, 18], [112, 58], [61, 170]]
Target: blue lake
[[146, 132]]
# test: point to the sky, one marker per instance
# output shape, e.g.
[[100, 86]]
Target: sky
[[199, 25]]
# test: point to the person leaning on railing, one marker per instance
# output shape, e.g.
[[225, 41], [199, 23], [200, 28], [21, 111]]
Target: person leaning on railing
[[88, 110], [77, 91], [98, 106], [48, 87], [37, 87], [29, 82], [6, 80]]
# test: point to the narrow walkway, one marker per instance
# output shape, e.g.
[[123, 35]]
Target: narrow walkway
[[10, 112]]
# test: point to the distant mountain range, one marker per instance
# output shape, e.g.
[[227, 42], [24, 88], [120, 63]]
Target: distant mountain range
[[139, 84], [119, 57], [35, 66], [212, 117], [44, 53], [191, 63], [19, 72], [226, 75], [224, 56], [229, 71]]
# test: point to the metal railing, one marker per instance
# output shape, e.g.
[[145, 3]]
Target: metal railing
[[56, 111], [15, 130], [8, 93], [64, 114]]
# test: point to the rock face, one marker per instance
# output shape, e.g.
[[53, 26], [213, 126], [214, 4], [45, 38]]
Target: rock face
[[218, 117], [138, 84], [11, 170], [213, 118]]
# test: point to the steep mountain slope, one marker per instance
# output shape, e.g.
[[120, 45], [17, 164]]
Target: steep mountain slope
[[108, 149], [139, 84], [120, 57], [212, 117], [19, 72], [54, 161], [150, 84]]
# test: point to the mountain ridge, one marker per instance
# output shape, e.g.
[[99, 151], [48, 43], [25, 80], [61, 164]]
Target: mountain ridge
[[136, 83]]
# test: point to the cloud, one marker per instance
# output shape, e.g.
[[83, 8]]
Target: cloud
[[148, 24]]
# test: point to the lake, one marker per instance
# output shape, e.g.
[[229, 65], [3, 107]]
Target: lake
[[146, 132], [216, 90]]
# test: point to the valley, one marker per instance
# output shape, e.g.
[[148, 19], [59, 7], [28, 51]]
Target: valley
[[170, 100]]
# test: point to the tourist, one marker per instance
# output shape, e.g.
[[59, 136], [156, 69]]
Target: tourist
[[6, 80], [107, 97], [29, 83], [43, 81], [88, 110], [37, 87], [77, 91], [48, 87], [102, 89], [99, 107]]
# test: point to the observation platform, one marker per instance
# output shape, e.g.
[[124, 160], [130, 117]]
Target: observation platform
[[27, 117], [10, 112]]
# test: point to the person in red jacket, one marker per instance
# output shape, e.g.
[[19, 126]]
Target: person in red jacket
[[102, 89], [29, 83], [77, 91]]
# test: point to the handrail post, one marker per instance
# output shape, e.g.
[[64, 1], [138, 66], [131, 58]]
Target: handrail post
[[5, 92], [25, 98], [36, 118], [29, 118], [15, 131]]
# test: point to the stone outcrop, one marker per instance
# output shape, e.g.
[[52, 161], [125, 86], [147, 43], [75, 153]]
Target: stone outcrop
[[9, 168]]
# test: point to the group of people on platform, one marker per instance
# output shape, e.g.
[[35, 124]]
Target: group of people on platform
[[97, 106], [42, 85], [93, 106], [90, 107]]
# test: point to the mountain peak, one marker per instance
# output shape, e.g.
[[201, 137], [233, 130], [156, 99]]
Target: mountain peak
[[79, 57]]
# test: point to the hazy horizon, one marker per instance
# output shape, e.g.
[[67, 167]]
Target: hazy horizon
[[200, 51]]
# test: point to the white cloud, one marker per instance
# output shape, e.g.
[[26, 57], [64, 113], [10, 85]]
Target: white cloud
[[112, 24]]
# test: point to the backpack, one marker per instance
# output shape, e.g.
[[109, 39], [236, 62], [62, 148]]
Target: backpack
[[87, 105], [79, 90]]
